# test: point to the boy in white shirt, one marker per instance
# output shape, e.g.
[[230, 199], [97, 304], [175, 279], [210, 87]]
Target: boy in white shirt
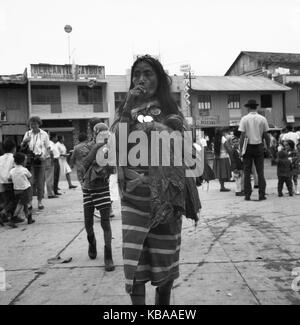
[[20, 177], [6, 186]]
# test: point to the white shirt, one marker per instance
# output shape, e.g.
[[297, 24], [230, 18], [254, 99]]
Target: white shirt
[[19, 176], [291, 136], [254, 125], [39, 142], [6, 164], [54, 150], [61, 148]]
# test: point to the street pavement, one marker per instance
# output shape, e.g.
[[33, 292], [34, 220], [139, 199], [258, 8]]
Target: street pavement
[[240, 253]]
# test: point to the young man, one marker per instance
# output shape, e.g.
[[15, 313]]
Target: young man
[[254, 127]]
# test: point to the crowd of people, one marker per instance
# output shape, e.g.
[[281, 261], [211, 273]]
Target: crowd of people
[[26, 171], [153, 198], [232, 164]]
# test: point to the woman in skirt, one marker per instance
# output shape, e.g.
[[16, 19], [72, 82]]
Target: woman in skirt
[[152, 198], [221, 165], [63, 163]]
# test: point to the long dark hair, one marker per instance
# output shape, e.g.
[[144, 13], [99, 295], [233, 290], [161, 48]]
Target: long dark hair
[[163, 92], [218, 140]]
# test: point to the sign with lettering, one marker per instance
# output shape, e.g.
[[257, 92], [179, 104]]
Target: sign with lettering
[[67, 71], [290, 119], [208, 121], [185, 67]]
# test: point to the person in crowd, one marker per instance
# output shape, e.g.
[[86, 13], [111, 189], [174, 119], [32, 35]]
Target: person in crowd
[[254, 129], [56, 166], [151, 213], [20, 176], [293, 157], [49, 171], [64, 166], [36, 146], [6, 186], [208, 173], [237, 167], [284, 171], [273, 148], [291, 135], [284, 131], [80, 151], [280, 146], [221, 166], [96, 194]]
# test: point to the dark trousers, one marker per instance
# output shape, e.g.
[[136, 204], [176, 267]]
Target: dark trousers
[[254, 153], [56, 175], [288, 182], [38, 179]]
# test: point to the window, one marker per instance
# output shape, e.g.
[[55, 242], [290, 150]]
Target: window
[[119, 98], [43, 95], [204, 102], [177, 98], [88, 95], [265, 101], [233, 101]]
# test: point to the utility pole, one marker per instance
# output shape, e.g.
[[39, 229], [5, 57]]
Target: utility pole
[[186, 69], [68, 30]]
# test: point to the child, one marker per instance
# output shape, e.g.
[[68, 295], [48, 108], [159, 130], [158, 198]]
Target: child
[[289, 146], [96, 194], [237, 167], [6, 186], [284, 169], [20, 177]]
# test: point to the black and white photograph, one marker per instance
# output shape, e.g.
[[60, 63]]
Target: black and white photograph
[[149, 155]]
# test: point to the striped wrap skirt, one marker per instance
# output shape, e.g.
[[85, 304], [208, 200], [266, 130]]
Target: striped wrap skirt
[[98, 198], [150, 254]]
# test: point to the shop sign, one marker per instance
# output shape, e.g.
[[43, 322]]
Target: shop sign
[[50, 71], [208, 121], [290, 119]]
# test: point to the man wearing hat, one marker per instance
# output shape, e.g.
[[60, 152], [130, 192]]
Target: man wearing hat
[[254, 130]]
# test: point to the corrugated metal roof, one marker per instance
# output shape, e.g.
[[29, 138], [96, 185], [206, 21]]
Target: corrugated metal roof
[[275, 58], [284, 60], [236, 83], [14, 78]]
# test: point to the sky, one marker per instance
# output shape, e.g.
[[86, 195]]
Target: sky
[[208, 35]]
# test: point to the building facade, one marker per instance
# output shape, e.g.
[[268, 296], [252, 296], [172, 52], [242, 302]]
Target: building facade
[[219, 101], [65, 97], [13, 106], [281, 67]]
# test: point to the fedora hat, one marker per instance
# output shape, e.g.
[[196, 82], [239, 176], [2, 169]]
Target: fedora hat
[[251, 103]]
